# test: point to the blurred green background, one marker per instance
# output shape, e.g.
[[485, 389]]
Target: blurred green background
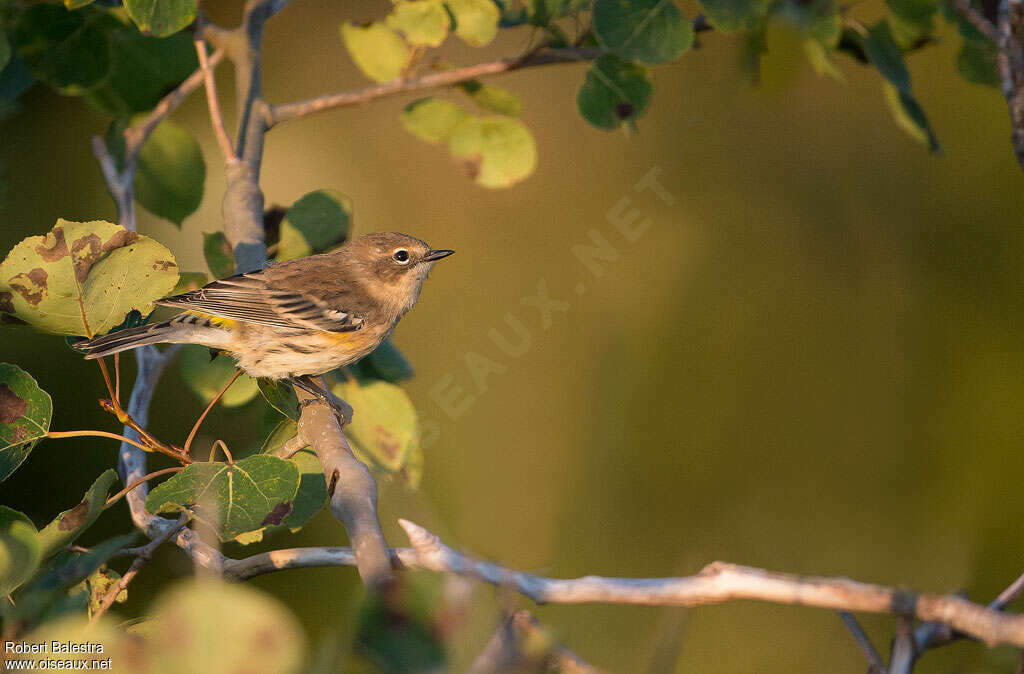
[[811, 361]]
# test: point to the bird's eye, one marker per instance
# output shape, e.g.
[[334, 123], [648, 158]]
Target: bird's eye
[[401, 256]]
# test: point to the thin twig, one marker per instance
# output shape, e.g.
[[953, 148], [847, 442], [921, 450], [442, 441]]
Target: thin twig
[[965, 9], [875, 664], [117, 379], [144, 556], [289, 111], [209, 406], [142, 480], [213, 103], [522, 644], [97, 434]]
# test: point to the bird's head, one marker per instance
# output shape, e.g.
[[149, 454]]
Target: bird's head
[[397, 264]]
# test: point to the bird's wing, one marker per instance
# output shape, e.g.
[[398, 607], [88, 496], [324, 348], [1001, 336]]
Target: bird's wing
[[254, 298]]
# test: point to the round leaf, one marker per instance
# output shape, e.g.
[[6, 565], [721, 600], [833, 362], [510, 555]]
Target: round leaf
[[94, 268], [212, 626], [476, 21], [19, 556], [219, 257], [25, 413], [432, 119], [280, 396], [67, 50], [161, 17], [314, 223], [422, 22], [730, 15], [145, 68], [385, 428], [493, 99], [171, 171], [252, 493], [614, 93], [378, 51], [495, 151], [652, 31], [207, 377]]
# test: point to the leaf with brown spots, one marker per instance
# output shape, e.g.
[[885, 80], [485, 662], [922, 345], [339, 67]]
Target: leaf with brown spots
[[385, 428], [83, 278], [234, 498], [25, 413], [67, 526]]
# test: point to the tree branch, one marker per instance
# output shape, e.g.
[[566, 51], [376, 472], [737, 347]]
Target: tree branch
[[875, 664], [720, 582], [965, 9], [288, 111], [216, 119], [350, 487], [305, 558], [522, 644]]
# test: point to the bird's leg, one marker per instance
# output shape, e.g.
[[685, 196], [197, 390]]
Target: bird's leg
[[322, 395]]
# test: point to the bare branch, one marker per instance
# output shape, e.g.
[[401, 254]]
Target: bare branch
[[351, 488], [969, 12], [304, 558], [144, 554], [216, 119], [720, 582], [288, 111]]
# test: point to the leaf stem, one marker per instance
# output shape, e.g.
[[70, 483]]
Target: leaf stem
[[96, 434], [224, 448], [145, 478], [199, 421]]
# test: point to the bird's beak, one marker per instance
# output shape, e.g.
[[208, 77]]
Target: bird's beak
[[436, 255]]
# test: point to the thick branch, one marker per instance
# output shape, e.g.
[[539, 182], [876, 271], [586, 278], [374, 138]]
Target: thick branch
[[720, 582], [351, 488], [288, 111]]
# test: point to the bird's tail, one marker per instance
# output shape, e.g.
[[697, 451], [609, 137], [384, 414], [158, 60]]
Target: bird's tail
[[182, 329]]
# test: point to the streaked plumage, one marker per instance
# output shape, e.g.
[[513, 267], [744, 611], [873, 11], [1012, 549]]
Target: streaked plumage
[[301, 317]]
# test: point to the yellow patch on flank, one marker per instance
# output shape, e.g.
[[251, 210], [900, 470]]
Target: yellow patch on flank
[[219, 321]]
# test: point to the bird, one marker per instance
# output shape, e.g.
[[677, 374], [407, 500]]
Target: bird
[[298, 319]]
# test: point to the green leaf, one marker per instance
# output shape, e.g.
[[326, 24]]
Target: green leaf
[[211, 626], [911, 118], [652, 31], [68, 568], [818, 19], [820, 61], [432, 119], [218, 255], [312, 493], [15, 80], [70, 524], [422, 22], [190, 280], [731, 15], [96, 268], [314, 223], [25, 413], [887, 57], [254, 492], [9, 515], [171, 172], [77, 4], [614, 93], [493, 99], [385, 428], [476, 21], [207, 377], [161, 17], [543, 12], [495, 152], [977, 62], [19, 555], [916, 12], [70, 51], [145, 69], [281, 396], [377, 50], [385, 362], [400, 630]]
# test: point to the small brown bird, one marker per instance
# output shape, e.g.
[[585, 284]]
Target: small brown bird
[[297, 318]]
